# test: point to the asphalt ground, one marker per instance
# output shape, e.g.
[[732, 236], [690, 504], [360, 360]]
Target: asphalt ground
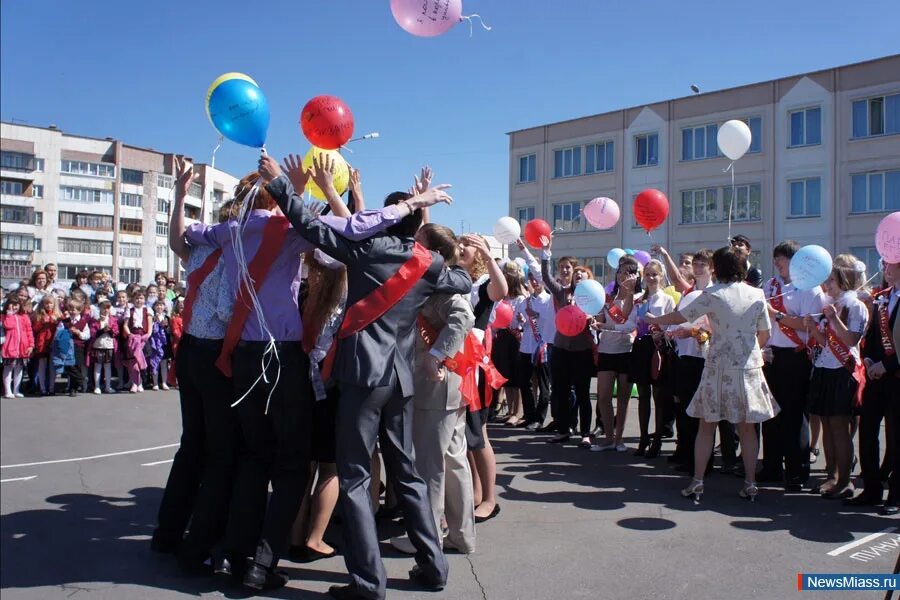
[[82, 478]]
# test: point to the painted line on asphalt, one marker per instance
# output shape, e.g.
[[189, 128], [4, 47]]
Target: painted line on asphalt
[[30, 477], [159, 462], [860, 542], [67, 460]]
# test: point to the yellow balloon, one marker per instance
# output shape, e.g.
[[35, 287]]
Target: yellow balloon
[[671, 292], [341, 171], [220, 80]]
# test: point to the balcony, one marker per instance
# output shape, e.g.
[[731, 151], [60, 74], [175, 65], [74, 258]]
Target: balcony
[[15, 165]]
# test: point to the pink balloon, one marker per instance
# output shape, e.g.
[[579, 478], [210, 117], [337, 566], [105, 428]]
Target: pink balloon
[[602, 213], [887, 238], [643, 257], [427, 18], [571, 320], [503, 315]]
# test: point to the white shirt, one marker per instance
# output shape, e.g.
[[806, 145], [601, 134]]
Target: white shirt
[[620, 338], [541, 304], [797, 303], [658, 304], [857, 319], [689, 346]]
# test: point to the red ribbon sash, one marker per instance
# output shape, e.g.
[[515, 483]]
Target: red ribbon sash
[[616, 314], [540, 355], [842, 352], [367, 310], [777, 302], [273, 235], [884, 320], [194, 281]]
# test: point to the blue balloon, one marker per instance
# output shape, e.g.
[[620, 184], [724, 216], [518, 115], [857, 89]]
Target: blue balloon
[[614, 256], [240, 112], [629, 251], [590, 296], [810, 266]]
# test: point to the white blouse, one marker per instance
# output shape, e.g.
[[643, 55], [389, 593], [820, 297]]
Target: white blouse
[[857, 319]]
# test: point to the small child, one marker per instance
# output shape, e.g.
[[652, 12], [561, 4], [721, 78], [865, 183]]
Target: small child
[[17, 346], [160, 350], [78, 324], [104, 331], [135, 331], [46, 317]]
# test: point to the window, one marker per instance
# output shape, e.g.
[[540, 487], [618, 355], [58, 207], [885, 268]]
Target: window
[[597, 265], [567, 162], [131, 225], [876, 116], [79, 246], [196, 190], [748, 204], [161, 250], [699, 142], [135, 200], [869, 255], [13, 188], [755, 125], [699, 206], [85, 195], [806, 197], [646, 150], [81, 221], [806, 127], [527, 168], [599, 157], [38, 218], [17, 161], [132, 176], [525, 215], [17, 214], [192, 212], [875, 192], [37, 191], [162, 228], [71, 271], [567, 217], [165, 181], [130, 275], [15, 269], [78, 167], [38, 244], [162, 205], [17, 242], [39, 164], [127, 250]]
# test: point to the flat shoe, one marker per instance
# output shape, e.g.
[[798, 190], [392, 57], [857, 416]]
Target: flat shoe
[[493, 514]]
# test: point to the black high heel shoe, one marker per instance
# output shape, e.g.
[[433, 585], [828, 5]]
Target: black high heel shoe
[[642, 447], [655, 447]]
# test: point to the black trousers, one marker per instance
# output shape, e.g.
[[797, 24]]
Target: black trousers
[[76, 377], [276, 448], [570, 369], [200, 482], [786, 436], [687, 380], [535, 409], [881, 400]]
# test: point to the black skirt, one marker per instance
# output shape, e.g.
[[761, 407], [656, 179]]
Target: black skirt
[[641, 359], [324, 431], [617, 363], [832, 392], [505, 354], [101, 357]]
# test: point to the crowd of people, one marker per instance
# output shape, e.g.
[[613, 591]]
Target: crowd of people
[[100, 336], [317, 341]]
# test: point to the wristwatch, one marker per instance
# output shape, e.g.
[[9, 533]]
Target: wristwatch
[[779, 316]]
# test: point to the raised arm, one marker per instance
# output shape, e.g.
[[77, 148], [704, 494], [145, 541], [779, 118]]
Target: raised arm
[[497, 288], [323, 176], [533, 265], [550, 283], [359, 202], [681, 284], [184, 177]]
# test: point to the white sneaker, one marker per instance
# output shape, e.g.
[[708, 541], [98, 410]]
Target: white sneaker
[[155, 388], [403, 545], [97, 391], [20, 395], [9, 396], [451, 547], [603, 447], [621, 448], [164, 387], [140, 388]]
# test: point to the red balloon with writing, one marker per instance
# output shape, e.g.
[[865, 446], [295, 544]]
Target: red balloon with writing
[[534, 229], [327, 122], [651, 207]]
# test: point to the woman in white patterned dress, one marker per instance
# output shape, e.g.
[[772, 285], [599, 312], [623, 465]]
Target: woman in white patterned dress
[[732, 386]]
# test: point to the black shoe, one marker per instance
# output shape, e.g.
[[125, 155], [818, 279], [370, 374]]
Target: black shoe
[[72, 393], [493, 514], [222, 566], [259, 577], [890, 509], [655, 447], [162, 542], [793, 487], [559, 439], [429, 583], [345, 592], [550, 427], [667, 433], [533, 426], [305, 554], [769, 477], [642, 447], [866, 498]]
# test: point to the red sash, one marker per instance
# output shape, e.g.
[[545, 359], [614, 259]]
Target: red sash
[[273, 235], [842, 352], [884, 325], [194, 281], [540, 355], [614, 311], [367, 310], [777, 302]]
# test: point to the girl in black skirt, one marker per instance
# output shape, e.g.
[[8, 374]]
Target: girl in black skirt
[[505, 351]]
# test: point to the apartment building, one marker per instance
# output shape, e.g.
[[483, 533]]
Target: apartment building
[[92, 203], [823, 168]]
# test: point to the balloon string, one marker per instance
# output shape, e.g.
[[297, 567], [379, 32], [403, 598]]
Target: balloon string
[[212, 162], [469, 19], [861, 286], [733, 198]]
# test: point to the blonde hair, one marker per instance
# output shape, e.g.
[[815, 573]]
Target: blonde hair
[[845, 274], [325, 288], [515, 279], [479, 266]]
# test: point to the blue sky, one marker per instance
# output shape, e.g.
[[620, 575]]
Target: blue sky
[[139, 70]]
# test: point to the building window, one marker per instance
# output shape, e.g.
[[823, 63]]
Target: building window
[[131, 225], [82, 221], [127, 250], [646, 150], [599, 158], [39, 164], [15, 269], [196, 190], [755, 125], [135, 200], [12, 188], [38, 244], [567, 162], [16, 161], [876, 116], [37, 191], [527, 168], [162, 228], [17, 214], [165, 181], [72, 271], [699, 206], [162, 205], [130, 275], [748, 204], [875, 192], [132, 176], [806, 197], [85, 195], [38, 218], [17, 242], [869, 255], [567, 217], [79, 246], [806, 127], [525, 215], [161, 250], [192, 212], [699, 142], [78, 167]]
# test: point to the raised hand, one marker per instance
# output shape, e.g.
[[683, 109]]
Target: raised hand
[[184, 177], [477, 242], [423, 180], [546, 242], [355, 183], [268, 168], [323, 172], [431, 196], [293, 168]]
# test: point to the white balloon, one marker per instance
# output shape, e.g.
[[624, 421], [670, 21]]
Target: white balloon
[[507, 230], [734, 139]]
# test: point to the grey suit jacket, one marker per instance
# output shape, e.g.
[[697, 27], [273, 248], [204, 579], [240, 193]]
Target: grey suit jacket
[[370, 357], [453, 318]]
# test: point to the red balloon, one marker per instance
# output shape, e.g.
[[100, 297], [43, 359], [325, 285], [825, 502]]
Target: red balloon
[[503, 315], [327, 122], [651, 207], [534, 229], [570, 320]]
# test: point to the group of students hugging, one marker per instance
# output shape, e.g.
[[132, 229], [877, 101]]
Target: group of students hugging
[[85, 330]]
